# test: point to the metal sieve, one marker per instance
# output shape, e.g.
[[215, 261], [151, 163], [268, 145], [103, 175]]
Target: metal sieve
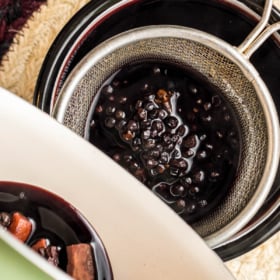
[[227, 68]]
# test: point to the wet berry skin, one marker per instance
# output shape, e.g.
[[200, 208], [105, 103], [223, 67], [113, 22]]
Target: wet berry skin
[[173, 131]]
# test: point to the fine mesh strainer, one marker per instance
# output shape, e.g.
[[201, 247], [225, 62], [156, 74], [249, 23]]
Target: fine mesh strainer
[[227, 68]]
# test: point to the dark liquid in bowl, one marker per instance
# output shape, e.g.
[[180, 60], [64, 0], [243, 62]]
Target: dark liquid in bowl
[[53, 219], [171, 130]]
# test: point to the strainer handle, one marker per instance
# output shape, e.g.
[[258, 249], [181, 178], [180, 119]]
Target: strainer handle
[[261, 39], [260, 33], [259, 27]]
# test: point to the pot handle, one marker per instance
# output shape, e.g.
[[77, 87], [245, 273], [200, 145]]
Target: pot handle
[[260, 33]]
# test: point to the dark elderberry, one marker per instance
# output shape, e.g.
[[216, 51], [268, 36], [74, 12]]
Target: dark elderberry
[[153, 113], [160, 169], [110, 122], [180, 206], [158, 126], [5, 219], [120, 114], [181, 130], [179, 163], [110, 110], [193, 89], [180, 134], [149, 143], [193, 191], [122, 99], [142, 114], [191, 208], [171, 121], [178, 190], [149, 106], [199, 176], [190, 141], [146, 124], [162, 114], [132, 125], [146, 134], [107, 90], [164, 157]]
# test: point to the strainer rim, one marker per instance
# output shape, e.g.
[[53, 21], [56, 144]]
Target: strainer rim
[[229, 51]]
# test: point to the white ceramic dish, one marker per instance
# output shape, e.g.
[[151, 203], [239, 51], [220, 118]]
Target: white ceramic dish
[[143, 237]]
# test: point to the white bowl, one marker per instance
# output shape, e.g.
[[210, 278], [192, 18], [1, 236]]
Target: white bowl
[[144, 239]]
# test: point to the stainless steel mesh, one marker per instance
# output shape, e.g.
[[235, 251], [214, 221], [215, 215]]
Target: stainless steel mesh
[[221, 72], [218, 70]]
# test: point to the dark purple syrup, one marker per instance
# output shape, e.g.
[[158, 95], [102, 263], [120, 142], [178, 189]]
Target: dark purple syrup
[[170, 129], [54, 219]]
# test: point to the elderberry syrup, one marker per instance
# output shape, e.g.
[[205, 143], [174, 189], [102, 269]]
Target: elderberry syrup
[[57, 227], [172, 130]]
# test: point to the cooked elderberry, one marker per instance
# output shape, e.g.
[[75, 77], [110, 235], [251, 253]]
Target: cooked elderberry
[[120, 114], [190, 141], [171, 122], [107, 90], [162, 114], [5, 219], [110, 122], [178, 131], [110, 110]]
